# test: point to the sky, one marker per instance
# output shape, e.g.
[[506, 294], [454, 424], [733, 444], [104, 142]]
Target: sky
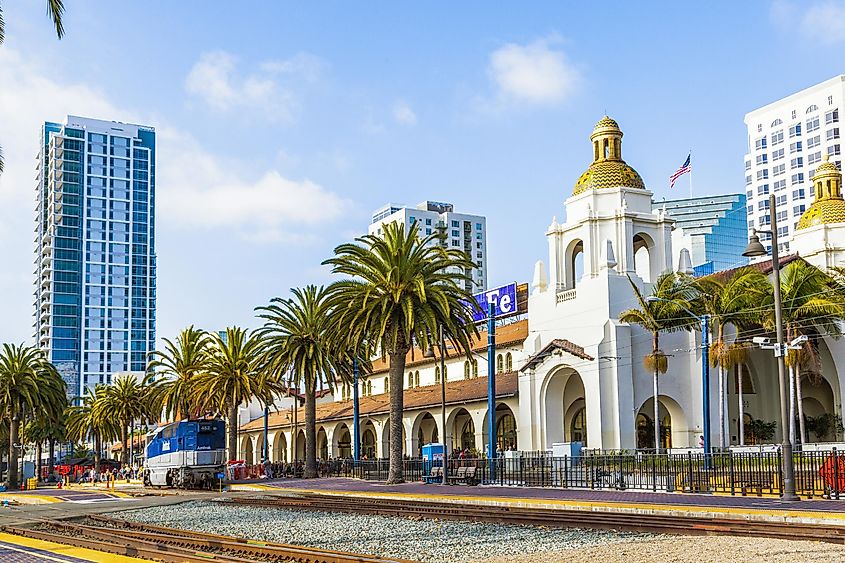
[[282, 126]]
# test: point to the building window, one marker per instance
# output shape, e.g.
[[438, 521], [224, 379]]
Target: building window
[[795, 130], [428, 221], [456, 234], [777, 137], [445, 373], [456, 242], [478, 226], [436, 374], [796, 162], [500, 364], [410, 379], [748, 165], [467, 369], [508, 362], [777, 155], [798, 194], [387, 385], [814, 157], [474, 368], [759, 127], [783, 231], [832, 134], [794, 113], [763, 174], [764, 204], [776, 122], [760, 143], [830, 100], [797, 178], [763, 221], [762, 159], [763, 189], [417, 378], [798, 210], [795, 147], [831, 117], [812, 124], [749, 194], [779, 169], [833, 150], [812, 108], [782, 215], [748, 180], [780, 200]]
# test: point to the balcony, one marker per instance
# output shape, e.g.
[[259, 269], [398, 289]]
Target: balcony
[[566, 295]]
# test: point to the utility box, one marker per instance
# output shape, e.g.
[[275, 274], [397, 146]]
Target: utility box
[[567, 449], [432, 455]]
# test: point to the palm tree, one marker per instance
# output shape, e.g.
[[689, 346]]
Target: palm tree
[[28, 383], [234, 376], [666, 310], [55, 9], [47, 425], [181, 362], [297, 340], [126, 400], [813, 305], [402, 288], [86, 420], [733, 302]]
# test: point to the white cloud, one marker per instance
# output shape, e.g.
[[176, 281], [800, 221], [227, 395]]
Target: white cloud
[[820, 22], [403, 114], [531, 74], [215, 80]]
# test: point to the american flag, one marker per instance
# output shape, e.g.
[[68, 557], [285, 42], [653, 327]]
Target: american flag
[[685, 167]]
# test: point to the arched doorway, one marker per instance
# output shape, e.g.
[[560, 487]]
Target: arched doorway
[[673, 426], [820, 419], [322, 444], [368, 441], [463, 431], [300, 445], [578, 425], [248, 451], [280, 447], [385, 439], [343, 441], [563, 396], [426, 431], [505, 429]]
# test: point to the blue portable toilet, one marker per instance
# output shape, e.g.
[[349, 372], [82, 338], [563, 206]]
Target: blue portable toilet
[[432, 455]]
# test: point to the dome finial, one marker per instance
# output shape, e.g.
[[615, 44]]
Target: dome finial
[[608, 170]]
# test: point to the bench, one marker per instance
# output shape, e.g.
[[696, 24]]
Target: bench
[[464, 475], [436, 475]]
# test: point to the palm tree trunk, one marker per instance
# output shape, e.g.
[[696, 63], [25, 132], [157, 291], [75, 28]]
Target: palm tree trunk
[[310, 432], [397, 369], [655, 348], [14, 438], [799, 402], [233, 432], [721, 407], [38, 460], [741, 405], [792, 405]]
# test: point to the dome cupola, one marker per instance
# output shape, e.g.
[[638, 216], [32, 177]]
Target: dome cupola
[[607, 170], [829, 206]]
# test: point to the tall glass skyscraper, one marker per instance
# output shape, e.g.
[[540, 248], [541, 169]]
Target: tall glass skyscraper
[[95, 294]]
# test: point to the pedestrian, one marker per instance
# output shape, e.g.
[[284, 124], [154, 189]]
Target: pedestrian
[[701, 441]]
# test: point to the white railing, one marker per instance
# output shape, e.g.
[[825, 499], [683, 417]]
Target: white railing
[[566, 295]]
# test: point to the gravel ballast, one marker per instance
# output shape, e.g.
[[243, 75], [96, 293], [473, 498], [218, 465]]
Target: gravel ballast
[[419, 540]]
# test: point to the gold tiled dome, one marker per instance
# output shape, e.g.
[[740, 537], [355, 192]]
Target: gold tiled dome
[[608, 170], [828, 207]]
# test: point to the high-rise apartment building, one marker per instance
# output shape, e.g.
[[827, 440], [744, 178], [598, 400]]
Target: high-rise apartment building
[[713, 229], [95, 295], [458, 230], [786, 142]]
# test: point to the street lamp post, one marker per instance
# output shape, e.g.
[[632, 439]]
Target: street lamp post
[[356, 428], [705, 375], [429, 353], [754, 249]]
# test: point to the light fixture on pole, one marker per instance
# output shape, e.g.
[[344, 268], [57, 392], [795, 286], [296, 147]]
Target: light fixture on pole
[[429, 354], [754, 249], [705, 375]]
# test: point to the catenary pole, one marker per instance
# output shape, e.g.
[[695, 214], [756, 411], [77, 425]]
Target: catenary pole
[[356, 430], [705, 385], [442, 339], [491, 388]]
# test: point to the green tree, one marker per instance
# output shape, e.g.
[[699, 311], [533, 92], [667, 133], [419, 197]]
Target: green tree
[[86, 421], [126, 400], [28, 383], [400, 289], [812, 306], [233, 377], [666, 310], [297, 339], [180, 362], [55, 9], [730, 303]]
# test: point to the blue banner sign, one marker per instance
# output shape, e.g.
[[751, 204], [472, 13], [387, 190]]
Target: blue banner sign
[[503, 299]]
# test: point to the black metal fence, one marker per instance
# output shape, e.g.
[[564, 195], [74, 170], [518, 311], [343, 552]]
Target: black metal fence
[[817, 474]]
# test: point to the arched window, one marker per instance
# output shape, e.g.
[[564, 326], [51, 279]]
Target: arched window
[[417, 378], [369, 388], [445, 373], [466, 369], [812, 108], [475, 368], [437, 374], [776, 122], [387, 385], [508, 362], [500, 364], [410, 379]]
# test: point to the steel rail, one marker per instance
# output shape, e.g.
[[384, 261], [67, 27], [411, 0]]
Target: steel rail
[[655, 523]]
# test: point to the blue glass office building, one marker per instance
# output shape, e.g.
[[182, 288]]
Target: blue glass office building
[[713, 228], [95, 296]]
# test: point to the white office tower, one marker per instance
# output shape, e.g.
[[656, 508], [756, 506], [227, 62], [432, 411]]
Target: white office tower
[[787, 140], [459, 230]]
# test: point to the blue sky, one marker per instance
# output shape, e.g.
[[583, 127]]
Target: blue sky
[[282, 126]]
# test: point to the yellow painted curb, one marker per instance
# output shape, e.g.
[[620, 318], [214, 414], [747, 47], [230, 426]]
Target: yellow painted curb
[[63, 550], [30, 499]]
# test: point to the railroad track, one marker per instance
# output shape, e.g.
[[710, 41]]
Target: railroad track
[[654, 523], [180, 546]]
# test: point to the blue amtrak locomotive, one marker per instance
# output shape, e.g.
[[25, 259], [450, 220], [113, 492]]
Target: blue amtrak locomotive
[[186, 454]]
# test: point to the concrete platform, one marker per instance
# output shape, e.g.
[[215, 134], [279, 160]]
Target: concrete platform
[[16, 549], [50, 495], [826, 512]]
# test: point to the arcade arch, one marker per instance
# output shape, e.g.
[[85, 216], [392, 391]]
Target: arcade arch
[[368, 440], [562, 397], [673, 424], [643, 246], [280, 447], [574, 263], [342, 441]]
